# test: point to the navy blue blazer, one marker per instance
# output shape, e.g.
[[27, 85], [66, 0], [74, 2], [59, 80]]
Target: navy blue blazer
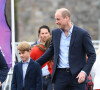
[[3, 68], [80, 45], [33, 77]]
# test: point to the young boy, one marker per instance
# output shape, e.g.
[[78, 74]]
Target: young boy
[[27, 73]]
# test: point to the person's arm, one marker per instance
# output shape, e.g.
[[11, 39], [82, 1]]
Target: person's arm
[[3, 69], [47, 55], [39, 78], [14, 81], [90, 51]]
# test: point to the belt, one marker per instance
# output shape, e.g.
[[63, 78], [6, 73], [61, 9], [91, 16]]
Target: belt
[[64, 69], [47, 76]]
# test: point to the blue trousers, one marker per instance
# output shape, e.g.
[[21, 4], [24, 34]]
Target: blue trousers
[[65, 81], [47, 85]]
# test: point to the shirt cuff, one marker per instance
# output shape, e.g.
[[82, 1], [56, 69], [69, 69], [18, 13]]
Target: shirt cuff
[[84, 72]]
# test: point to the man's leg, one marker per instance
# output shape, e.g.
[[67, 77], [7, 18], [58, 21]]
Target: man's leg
[[62, 79], [0, 88]]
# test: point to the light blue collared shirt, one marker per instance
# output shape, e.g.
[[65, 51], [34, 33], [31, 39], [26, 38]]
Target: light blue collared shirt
[[64, 49], [24, 68]]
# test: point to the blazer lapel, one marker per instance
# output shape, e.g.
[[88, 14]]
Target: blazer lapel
[[58, 36], [29, 67], [20, 69], [73, 37]]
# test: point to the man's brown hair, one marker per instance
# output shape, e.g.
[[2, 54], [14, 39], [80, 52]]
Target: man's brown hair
[[65, 12], [24, 46]]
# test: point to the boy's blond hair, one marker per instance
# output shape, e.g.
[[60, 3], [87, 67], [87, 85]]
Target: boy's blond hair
[[24, 46]]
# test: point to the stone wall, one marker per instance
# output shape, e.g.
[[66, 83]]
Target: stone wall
[[31, 14]]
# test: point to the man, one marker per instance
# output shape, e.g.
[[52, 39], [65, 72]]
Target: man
[[38, 50], [69, 45], [27, 74], [3, 69], [43, 34]]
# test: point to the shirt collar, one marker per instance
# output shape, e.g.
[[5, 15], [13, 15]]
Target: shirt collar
[[70, 31], [26, 62]]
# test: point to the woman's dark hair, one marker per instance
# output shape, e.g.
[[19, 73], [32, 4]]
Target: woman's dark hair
[[44, 26]]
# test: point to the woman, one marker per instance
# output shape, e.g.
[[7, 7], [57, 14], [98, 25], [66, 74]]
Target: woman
[[36, 52]]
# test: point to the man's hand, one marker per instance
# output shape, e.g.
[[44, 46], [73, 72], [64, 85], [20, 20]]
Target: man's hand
[[81, 77], [0, 84]]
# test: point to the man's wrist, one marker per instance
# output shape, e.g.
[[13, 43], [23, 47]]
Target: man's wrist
[[84, 72]]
